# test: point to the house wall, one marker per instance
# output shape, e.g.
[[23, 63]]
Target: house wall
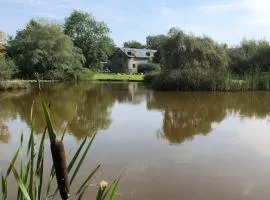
[[119, 63], [133, 64]]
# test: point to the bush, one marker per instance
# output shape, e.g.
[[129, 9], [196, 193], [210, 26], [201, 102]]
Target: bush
[[6, 68], [190, 79], [146, 68]]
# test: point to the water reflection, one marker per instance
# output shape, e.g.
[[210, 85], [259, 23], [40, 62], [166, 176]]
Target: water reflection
[[4, 133], [189, 114], [84, 108]]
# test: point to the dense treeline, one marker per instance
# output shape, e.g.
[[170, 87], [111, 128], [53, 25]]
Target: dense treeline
[[185, 61], [190, 62], [55, 51]]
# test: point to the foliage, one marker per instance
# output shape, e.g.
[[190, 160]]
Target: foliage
[[86, 75], [7, 68], [42, 48], [190, 79], [31, 180], [2, 41], [156, 42], [251, 56], [91, 36], [147, 68], [185, 51], [134, 44]]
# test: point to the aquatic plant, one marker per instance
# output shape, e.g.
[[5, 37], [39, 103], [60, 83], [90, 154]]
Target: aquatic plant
[[30, 176]]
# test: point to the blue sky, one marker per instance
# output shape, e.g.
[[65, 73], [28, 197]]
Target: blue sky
[[224, 20]]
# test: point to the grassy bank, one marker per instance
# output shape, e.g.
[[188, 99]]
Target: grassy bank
[[89, 75], [117, 77], [198, 80]]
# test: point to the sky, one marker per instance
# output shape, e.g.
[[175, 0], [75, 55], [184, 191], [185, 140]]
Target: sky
[[224, 20]]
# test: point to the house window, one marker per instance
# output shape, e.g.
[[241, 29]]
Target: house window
[[134, 66]]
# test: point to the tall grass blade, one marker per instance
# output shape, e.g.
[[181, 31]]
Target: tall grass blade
[[4, 187], [64, 132], [32, 157], [13, 162], [26, 175], [72, 162], [86, 182], [113, 192], [82, 159], [21, 139], [40, 175], [40, 151], [21, 184], [52, 173], [47, 116], [21, 175]]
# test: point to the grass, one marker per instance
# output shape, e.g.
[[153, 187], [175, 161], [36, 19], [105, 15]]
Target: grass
[[30, 176], [117, 77], [89, 75]]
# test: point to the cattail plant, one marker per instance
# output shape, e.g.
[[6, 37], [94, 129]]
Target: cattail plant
[[30, 179]]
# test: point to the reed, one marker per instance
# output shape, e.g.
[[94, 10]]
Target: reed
[[206, 80], [30, 176]]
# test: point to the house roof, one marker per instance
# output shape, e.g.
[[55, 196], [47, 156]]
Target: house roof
[[137, 53]]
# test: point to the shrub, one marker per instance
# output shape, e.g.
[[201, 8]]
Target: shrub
[[6, 68], [190, 79], [146, 68]]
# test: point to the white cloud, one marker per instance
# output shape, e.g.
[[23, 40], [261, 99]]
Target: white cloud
[[256, 12]]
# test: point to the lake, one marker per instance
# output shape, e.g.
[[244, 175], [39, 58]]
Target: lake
[[169, 145]]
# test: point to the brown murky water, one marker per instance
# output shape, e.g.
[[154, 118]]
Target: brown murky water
[[171, 145]]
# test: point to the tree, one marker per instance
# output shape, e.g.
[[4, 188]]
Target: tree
[[249, 57], [156, 42], [2, 41], [91, 36], [43, 48], [187, 51], [134, 44], [6, 65]]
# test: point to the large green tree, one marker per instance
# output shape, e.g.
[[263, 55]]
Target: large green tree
[[133, 44], [2, 41], [251, 56], [42, 48], [6, 65], [91, 36], [188, 51], [156, 42]]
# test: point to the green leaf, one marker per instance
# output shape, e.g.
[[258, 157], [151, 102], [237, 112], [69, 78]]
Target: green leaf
[[72, 162], [13, 161], [47, 116], [85, 183], [82, 159], [20, 183], [112, 192], [4, 187]]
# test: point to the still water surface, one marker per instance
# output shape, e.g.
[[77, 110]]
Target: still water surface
[[170, 145]]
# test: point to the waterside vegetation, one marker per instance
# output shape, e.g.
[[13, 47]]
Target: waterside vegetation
[[30, 178], [81, 49]]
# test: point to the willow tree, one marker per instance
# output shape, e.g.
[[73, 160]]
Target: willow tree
[[188, 51]]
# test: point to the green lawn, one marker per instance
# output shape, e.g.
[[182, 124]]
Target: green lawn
[[117, 77]]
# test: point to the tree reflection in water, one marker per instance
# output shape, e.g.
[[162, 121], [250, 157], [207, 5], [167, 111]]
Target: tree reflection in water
[[84, 108], [188, 114]]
